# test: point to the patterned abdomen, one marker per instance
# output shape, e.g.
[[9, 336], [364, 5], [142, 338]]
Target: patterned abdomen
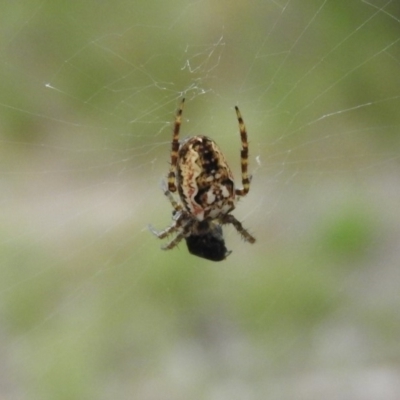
[[205, 181]]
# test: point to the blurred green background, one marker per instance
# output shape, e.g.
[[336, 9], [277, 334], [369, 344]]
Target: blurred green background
[[91, 308]]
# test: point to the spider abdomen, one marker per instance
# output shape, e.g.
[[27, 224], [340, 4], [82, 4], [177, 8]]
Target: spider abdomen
[[204, 179]]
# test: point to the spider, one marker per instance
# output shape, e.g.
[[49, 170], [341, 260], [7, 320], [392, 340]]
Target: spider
[[207, 192]]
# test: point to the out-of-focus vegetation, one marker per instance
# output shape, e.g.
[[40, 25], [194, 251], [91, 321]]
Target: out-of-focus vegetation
[[91, 308]]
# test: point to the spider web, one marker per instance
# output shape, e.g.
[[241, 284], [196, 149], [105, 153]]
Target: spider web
[[91, 308]]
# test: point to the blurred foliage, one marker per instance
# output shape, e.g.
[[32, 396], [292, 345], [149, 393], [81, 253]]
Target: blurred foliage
[[90, 306]]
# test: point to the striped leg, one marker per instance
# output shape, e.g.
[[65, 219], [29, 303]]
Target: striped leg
[[244, 155], [230, 219], [175, 149]]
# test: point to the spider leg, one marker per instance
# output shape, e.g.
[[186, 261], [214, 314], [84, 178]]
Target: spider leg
[[180, 224], [165, 232], [177, 215], [230, 219], [173, 242], [174, 203], [175, 148], [244, 156], [183, 224]]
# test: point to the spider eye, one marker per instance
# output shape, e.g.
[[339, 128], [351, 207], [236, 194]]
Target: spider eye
[[210, 245]]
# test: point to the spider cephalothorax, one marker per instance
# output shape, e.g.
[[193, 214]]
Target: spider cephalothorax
[[207, 192]]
